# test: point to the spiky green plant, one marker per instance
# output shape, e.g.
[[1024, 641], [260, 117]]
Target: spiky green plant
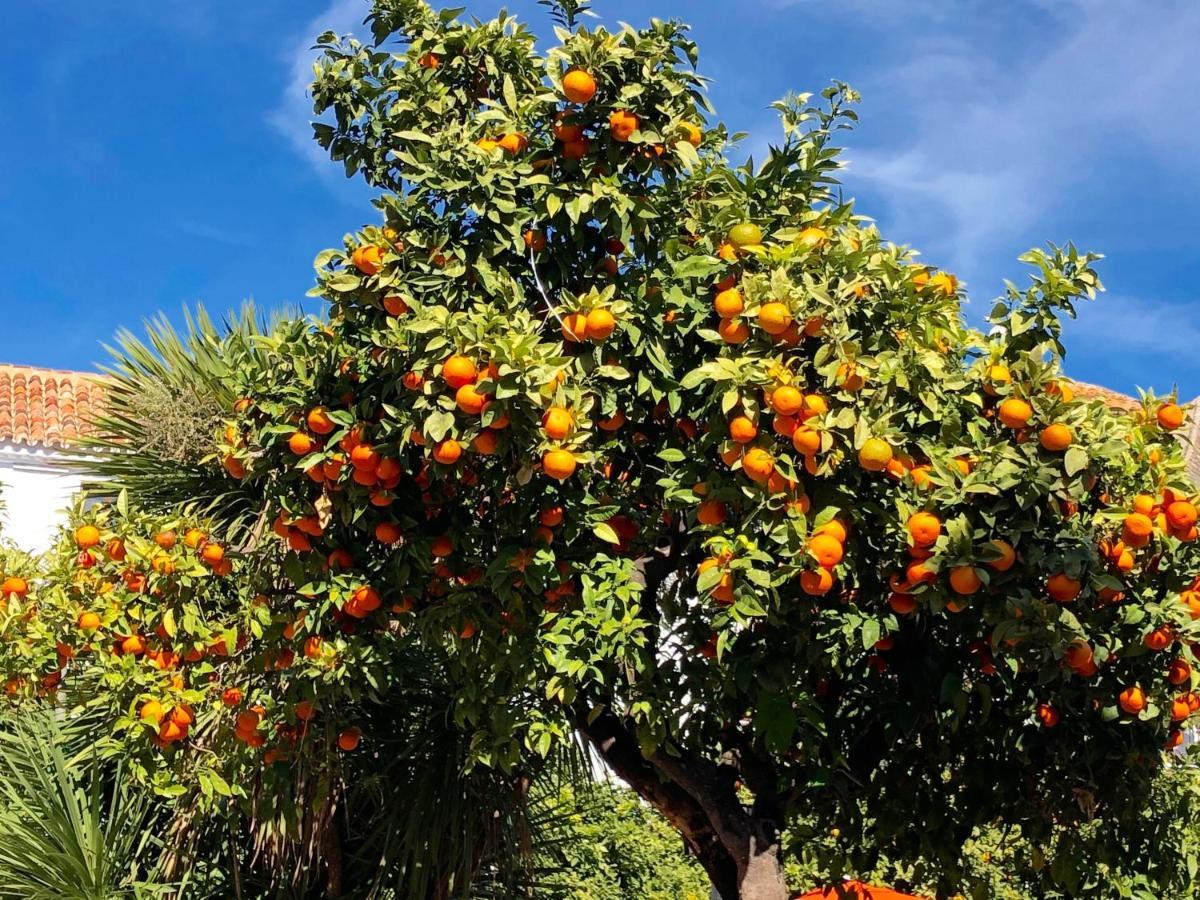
[[71, 827], [167, 395]]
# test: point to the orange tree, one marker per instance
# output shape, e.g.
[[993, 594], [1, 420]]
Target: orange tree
[[687, 459]]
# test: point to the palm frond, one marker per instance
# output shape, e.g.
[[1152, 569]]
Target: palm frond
[[168, 394], [70, 828]]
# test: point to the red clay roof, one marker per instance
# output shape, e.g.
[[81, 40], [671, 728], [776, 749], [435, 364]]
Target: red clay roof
[[1112, 399], [47, 407]]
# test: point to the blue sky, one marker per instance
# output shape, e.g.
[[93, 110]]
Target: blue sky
[[157, 154]]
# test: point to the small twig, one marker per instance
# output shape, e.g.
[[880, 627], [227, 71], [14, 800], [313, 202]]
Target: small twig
[[537, 280]]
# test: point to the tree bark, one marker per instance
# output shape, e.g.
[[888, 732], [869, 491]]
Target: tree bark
[[739, 849]]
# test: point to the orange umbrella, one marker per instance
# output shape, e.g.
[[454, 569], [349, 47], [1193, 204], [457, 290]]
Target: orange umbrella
[[855, 890]]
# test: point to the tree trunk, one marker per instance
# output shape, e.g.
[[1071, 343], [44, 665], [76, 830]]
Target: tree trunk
[[739, 849]]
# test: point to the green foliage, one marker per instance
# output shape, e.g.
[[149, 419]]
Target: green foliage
[[70, 828], [539, 446], [613, 846], [164, 403]]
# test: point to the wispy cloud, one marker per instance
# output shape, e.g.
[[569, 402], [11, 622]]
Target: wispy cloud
[[293, 114], [995, 144], [1121, 338], [217, 234]]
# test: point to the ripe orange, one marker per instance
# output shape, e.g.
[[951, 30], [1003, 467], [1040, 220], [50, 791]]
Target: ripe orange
[[1160, 638], [367, 259], [774, 318], [212, 553], [875, 454], [742, 430], [575, 149], [1062, 587], [902, 604], [1179, 672], [600, 324], [557, 423], [348, 739], [231, 697], [166, 539], [1047, 715], [814, 405], [924, 528], [1181, 515], [566, 129], [733, 331], [447, 452], [784, 426], [1056, 438], [486, 442], [1180, 709], [711, 512], [394, 306], [388, 533], [691, 133], [301, 444], [965, 580], [574, 327], [944, 283], [622, 125], [806, 440], [551, 516], [558, 464], [816, 582], [1137, 529], [1015, 413], [758, 464], [1169, 416], [1132, 700], [305, 711], [579, 86], [457, 370], [1007, 556], [787, 400], [535, 240], [827, 549], [1078, 654], [513, 143], [152, 711], [469, 399], [318, 421], [87, 536], [729, 303], [613, 422], [848, 379]]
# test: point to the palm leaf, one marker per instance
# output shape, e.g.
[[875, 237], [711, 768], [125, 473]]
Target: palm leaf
[[70, 829], [167, 395]]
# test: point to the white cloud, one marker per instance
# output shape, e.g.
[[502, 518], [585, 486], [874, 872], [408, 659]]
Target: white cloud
[[997, 143], [293, 115], [1133, 341]]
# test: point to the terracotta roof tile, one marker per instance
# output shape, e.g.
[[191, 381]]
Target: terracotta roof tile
[[1113, 399], [47, 407]]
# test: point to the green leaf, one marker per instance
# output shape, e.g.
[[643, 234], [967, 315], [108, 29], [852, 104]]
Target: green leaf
[[605, 532]]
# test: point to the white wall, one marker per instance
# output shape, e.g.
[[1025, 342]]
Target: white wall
[[34, 493]]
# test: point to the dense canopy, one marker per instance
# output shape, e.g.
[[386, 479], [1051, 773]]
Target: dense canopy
[[684, 456]]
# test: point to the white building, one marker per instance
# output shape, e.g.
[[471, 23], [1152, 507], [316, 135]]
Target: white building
[[43, 413]]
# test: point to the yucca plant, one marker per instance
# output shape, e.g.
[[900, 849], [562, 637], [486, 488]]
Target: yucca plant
[[166, 397], [71, 826]]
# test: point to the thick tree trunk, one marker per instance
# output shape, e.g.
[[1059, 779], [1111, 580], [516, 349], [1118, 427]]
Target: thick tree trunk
[[738, 848]]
